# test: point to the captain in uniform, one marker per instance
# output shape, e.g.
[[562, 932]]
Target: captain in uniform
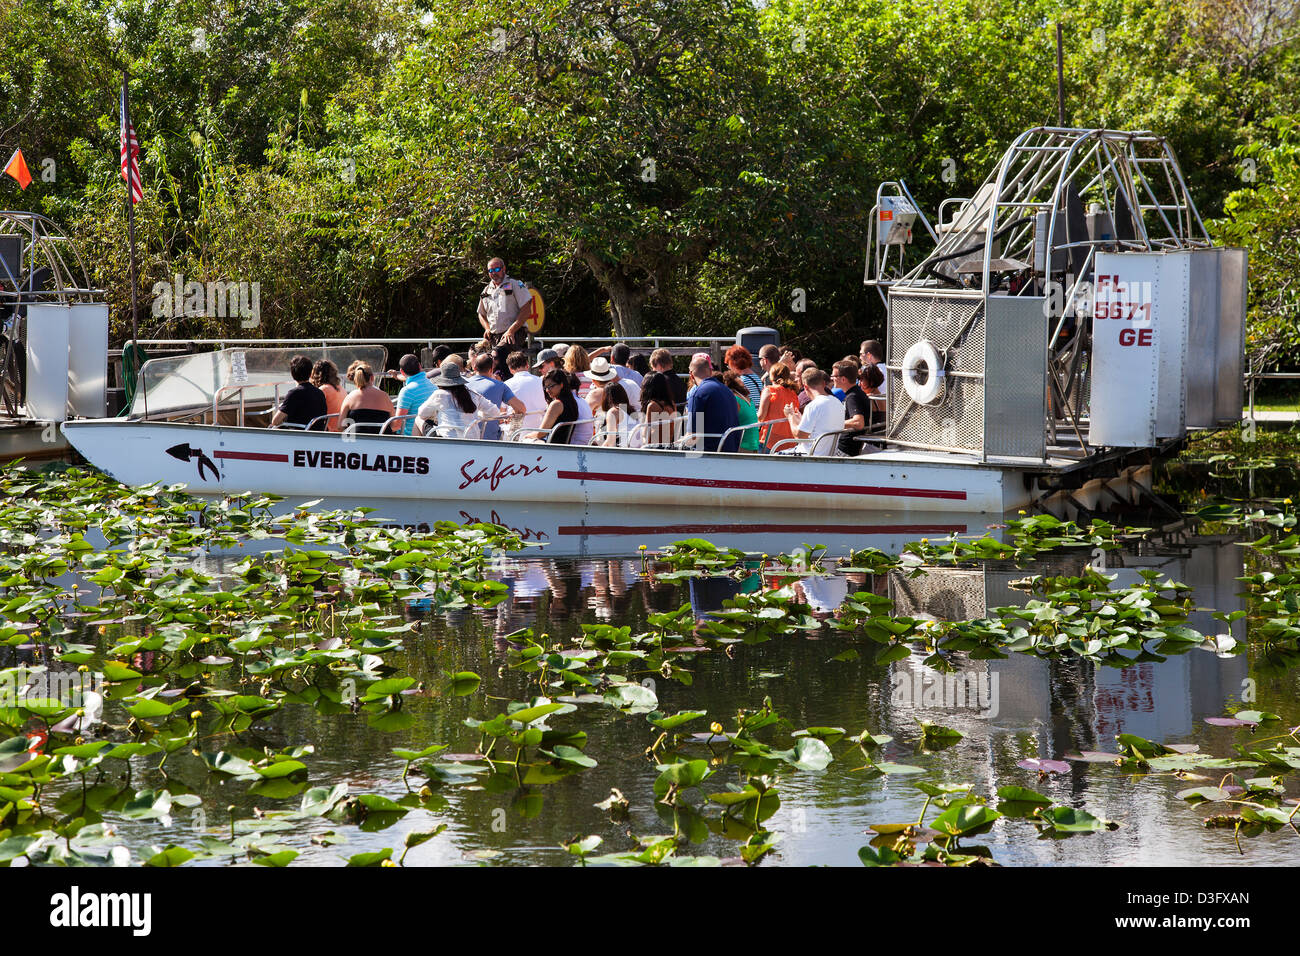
[[504, 306]]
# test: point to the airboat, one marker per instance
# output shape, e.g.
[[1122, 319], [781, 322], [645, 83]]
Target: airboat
[[1040, 355], [53, 337]]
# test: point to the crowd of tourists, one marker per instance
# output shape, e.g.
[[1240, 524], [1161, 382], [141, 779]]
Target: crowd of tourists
[[609, 396]]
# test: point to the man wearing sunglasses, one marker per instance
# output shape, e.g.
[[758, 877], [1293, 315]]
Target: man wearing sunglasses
[[504, 306]]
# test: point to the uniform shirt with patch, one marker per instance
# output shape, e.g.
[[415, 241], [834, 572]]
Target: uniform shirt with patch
[[500, 304]]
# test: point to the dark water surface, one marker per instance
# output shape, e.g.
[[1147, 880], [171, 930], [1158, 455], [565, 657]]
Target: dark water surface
[[588, 571]]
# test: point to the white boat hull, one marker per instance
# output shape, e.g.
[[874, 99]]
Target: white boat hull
[[220, 460]]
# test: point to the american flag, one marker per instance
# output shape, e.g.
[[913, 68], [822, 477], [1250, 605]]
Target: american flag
[[130, 154]]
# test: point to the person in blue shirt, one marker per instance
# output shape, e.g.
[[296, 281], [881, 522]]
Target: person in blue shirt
[[711, 408], [413, 393], [494, 390]]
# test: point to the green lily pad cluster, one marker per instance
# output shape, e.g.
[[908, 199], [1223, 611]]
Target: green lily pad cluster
[[143, 651], [963, 816]]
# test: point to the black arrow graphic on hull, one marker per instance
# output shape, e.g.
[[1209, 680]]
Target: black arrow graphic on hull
[[184, 452]]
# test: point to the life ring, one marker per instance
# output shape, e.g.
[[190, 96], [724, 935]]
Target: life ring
[[923, 373]]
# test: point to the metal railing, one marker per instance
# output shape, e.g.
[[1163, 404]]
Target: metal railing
[[545, 433], [1253, 377], [740, 428], [216, 397], [676, 344], [812, 450]]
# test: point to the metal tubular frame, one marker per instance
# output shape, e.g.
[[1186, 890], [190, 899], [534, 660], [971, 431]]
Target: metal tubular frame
[[1034, 174], [45, 247]]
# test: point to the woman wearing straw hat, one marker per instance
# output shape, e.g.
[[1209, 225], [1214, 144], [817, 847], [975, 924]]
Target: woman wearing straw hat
[[454, 408], [612, 417], [603, 374]]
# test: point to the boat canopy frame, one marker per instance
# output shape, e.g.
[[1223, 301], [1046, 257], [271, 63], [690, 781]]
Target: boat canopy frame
[[1025, 233]]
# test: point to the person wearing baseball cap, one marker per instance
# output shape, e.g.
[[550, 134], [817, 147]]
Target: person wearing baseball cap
[[547, 359]]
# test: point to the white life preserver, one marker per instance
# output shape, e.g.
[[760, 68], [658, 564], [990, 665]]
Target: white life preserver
[[923, 355]]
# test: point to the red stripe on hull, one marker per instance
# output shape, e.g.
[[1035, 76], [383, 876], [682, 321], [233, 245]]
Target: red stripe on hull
[[250, 456], [765, 485], [764, 529]]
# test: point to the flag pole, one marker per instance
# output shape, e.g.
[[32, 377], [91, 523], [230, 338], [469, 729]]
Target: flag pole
[[130, 228]]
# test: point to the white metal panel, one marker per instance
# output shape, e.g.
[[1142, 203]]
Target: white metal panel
[[47, 361], [88, 359], [1203, 338], [1232, 335], [1125, 358], [1171, 316], [1015, 375]]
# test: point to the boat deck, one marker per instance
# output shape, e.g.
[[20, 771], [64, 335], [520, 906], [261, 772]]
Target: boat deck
[[31, 439]]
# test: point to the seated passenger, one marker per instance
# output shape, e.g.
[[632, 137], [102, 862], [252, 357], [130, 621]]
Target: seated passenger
[[800, 367], [325, 376], [711, 408], [369, 407], [453, 410], [562, 423], [836, 389], [748, 414], [304, 402], [872, 380], [768, 356], [857, 407], [602, 374], [658, 410], [661, 363], [577, 363], [823, 414], [413, 394], [695, 380], [871, 352], [741, 362], [494, 390], [772, 406], [614, 418], [527, 387]]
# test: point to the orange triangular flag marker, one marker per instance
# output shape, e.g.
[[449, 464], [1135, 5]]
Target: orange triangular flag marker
[[17, 168]]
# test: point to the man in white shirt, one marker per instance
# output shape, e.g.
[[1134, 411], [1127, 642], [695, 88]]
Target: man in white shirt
[[618, 357], [527, 387], [631, 386], [823, 414]]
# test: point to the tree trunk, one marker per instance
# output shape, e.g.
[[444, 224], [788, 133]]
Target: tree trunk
[[626, 305], [625, 296]]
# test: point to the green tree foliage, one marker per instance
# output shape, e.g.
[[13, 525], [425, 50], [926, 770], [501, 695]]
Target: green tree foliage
[[685, 166], [1265, 218], [638, 140]]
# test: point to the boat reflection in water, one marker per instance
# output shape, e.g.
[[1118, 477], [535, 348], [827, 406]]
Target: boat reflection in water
[[1008, 709], [589, 570], [619, 530]]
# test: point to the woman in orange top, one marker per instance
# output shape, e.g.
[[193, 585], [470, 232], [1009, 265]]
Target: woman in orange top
[[325, 376], [772, 405]]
